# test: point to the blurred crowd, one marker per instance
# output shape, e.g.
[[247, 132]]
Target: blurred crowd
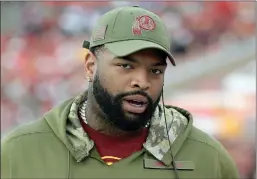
[[41, 54]]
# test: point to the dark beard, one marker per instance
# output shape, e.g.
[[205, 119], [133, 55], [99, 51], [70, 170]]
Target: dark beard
[[112, 108]]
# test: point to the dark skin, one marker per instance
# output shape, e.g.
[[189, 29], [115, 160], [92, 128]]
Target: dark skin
[[143, 70]]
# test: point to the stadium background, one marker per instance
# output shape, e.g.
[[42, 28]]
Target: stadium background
[[213, 43]]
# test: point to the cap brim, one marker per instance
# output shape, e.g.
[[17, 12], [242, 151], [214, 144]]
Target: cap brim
[[124, 48]]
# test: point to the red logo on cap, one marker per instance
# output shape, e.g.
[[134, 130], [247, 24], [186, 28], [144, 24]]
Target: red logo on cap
[[143, 23]]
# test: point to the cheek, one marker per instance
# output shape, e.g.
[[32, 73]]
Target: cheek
[[156, 91], [112, 81]]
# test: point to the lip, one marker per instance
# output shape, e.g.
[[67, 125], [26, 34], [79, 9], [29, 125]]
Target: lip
[[138, 98], [135, 109]]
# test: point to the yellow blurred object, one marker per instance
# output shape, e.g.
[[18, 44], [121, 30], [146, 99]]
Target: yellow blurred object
[[230, 125], [82, 53]]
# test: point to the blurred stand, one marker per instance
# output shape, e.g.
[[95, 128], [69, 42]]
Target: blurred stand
[[213, 43]]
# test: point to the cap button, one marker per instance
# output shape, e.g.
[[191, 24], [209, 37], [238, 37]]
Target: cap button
[[86, 44]]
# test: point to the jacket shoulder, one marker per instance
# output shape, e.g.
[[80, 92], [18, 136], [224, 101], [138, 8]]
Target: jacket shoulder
[[39, 126], [226, 166], [200, 136]]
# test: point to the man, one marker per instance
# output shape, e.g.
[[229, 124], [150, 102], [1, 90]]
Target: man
[[117, 128]]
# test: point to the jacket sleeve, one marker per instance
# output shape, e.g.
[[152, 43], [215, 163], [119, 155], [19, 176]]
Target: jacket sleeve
[[228, 169], [5, 161]]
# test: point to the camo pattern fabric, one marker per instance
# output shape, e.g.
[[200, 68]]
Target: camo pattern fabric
[[156, 143], [77, 137]]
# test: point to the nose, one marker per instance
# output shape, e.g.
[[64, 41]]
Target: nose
[[141, 80]]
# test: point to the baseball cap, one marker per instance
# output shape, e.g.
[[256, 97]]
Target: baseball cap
[[129, 29]]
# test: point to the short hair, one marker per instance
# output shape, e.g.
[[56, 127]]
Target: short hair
[[97, 50]]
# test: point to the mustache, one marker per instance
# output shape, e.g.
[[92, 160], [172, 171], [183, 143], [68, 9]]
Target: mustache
[[131, 93]]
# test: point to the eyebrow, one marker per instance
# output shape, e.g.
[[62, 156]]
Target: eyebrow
[[162, 63]]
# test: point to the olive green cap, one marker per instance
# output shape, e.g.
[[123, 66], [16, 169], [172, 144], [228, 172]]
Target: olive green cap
[[126, 30]]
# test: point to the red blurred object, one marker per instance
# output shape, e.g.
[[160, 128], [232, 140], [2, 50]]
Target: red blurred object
[[90, 4]]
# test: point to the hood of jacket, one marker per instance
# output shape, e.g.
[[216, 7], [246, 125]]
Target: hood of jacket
[[65, 123]]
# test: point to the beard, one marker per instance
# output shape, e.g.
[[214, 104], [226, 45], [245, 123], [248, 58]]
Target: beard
[[111, 105]]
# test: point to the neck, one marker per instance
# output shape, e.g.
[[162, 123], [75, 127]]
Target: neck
[[97, 120]]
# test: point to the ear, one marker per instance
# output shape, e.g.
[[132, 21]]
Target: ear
[[90, 64]]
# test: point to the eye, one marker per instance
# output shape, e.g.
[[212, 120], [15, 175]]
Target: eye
[[126, 66], [157, 71]]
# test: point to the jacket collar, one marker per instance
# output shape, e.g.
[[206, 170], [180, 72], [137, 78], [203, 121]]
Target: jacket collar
[[66, 125]]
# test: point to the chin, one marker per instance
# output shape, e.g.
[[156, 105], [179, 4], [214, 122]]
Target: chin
[[132, 116]]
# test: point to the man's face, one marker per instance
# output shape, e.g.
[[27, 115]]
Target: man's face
[[129, 89]]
